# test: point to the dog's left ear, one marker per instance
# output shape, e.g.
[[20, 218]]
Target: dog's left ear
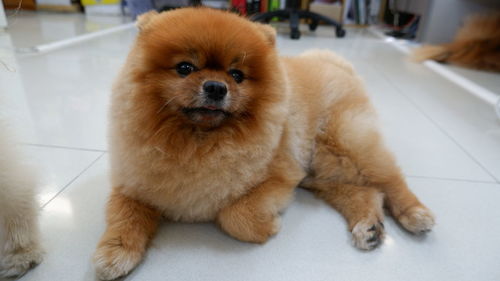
[[268, 31], [144, 19]]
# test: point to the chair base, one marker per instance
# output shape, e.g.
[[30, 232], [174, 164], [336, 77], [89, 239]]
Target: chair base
[[294, 16]]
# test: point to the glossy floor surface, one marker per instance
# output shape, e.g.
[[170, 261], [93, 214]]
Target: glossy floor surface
[[446, 141], [28, 28]]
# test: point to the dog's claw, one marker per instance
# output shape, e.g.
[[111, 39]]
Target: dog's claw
[[367, 238]]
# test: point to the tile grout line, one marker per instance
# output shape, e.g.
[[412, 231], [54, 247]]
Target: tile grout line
[[452, 179], [74, 179], [438, 126], [62, 147]]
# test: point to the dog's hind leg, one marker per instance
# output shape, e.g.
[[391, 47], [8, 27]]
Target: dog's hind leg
[[352, 169], [361, 206]]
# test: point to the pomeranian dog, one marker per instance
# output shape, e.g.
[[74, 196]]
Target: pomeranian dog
[[208, 123], [476, 45], [18, 211]]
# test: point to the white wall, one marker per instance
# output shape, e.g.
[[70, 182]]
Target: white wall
[[444, 18], [440, 19]]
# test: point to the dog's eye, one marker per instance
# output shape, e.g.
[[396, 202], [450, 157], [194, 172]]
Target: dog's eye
[[184, 68], [237, 75]]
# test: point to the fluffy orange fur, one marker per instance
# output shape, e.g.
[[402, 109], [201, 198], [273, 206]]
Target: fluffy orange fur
[[302, 120], [476, 45]]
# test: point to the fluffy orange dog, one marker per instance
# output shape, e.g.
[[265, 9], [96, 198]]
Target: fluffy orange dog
[[210, 124]]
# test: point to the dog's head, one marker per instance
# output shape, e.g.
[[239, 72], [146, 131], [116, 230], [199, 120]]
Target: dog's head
[[206, 67]]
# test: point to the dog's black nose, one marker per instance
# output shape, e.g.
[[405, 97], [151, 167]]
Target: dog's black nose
[[215, 90]]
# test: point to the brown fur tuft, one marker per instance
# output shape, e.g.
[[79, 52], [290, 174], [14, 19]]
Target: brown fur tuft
[[476, 45], [144, 19]]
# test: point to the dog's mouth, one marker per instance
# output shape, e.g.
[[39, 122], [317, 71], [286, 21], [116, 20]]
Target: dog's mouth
[[205, 114], [205, 110]]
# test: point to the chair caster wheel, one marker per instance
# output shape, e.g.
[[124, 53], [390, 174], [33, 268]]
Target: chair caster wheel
[[295, 34], [313, 26], [340, 32]]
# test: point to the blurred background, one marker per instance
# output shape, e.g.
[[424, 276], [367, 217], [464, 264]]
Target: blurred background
[[429, 21]]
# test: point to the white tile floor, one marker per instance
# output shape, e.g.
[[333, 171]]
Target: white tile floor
[[447, 142], [488, 80], [45, 27]]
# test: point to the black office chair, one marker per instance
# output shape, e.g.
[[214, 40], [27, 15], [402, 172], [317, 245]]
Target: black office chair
[[294, 14]]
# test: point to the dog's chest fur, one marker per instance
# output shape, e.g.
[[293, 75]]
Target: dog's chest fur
[[196, 188]]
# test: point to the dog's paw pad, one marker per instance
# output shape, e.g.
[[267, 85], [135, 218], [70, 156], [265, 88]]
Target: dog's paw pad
[[18, 261], [367, 235], [417, 220]]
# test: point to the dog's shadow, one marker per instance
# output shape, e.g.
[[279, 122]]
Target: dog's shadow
[[196, 236], [183, 237], [183, 241]]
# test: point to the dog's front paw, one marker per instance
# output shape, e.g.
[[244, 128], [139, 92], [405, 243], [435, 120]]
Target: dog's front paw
[[113, 260], [367, 234], [17, 261], [417, 219], [247, 224]]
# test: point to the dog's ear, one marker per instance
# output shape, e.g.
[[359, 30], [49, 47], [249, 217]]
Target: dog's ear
[[268, 31], [144, 19]]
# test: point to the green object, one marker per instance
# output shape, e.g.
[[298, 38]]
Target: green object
[[274, 5]]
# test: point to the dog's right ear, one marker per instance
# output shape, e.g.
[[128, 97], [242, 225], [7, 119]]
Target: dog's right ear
[[144, 19]]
